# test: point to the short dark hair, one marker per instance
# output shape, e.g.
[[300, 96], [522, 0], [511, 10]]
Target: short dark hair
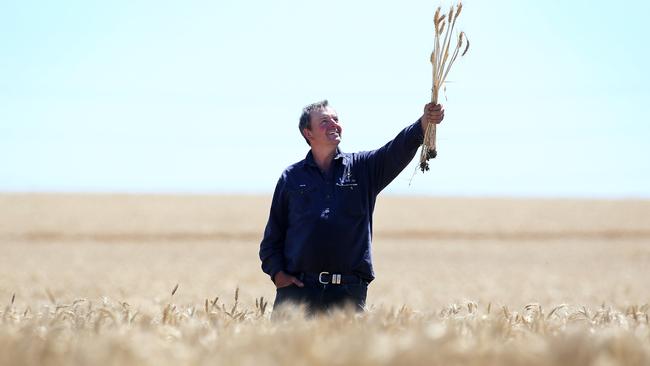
[[306, 115]]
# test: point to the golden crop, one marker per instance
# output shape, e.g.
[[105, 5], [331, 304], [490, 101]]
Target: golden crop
[[171, 280]]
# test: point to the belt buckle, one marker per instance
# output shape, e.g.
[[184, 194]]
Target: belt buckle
[[334, 280], [320, 278]]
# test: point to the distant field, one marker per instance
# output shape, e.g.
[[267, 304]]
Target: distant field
[[92, 277]]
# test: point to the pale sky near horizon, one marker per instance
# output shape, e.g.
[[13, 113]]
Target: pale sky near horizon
[[204, 96]]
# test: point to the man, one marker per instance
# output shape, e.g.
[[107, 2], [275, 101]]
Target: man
[[316, 245]]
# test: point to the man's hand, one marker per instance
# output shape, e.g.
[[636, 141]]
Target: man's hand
[[283, 280], [433, 113]]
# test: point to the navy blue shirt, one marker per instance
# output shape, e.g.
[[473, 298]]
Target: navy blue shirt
[[323, 222]]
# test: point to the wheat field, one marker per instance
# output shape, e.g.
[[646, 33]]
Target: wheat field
[[176, 280]]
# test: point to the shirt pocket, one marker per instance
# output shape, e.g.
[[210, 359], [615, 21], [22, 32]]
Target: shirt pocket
[[301, 201], [351, 199]]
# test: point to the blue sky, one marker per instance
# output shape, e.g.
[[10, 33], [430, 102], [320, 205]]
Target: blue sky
[[204, 96]]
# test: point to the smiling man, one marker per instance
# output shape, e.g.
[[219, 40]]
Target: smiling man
[[316, 245]]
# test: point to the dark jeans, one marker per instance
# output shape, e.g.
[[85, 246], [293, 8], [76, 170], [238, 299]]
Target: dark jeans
[[319, 298]]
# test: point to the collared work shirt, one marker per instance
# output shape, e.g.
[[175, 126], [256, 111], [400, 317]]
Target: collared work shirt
[[323, 222]]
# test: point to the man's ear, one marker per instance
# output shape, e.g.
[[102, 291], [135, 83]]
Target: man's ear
[[307, 133]]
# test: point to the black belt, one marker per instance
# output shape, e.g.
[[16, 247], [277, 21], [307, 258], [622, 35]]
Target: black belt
[[326, 278]]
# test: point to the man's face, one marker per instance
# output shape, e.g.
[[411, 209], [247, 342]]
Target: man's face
[[325, 128]]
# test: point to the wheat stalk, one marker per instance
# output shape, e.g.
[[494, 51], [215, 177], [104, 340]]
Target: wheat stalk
[[441, 61]]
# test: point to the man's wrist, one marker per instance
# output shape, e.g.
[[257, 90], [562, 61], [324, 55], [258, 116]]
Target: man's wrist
[[422, 128], [274, 275]]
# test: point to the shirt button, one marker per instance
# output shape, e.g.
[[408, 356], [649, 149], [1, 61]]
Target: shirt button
[[328, 196]]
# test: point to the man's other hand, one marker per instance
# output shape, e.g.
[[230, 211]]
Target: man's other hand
[[433, 113], [283, 280]]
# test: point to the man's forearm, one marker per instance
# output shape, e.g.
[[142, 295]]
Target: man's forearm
[[272, 245]]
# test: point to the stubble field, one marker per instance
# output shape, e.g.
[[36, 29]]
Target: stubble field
[[88, 279]]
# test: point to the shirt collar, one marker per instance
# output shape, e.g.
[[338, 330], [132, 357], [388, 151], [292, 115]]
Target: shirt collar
[[309, 159]]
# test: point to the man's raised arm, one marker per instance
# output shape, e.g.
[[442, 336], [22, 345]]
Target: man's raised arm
[[389, 160]]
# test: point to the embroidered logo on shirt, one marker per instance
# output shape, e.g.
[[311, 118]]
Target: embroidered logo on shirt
[[347, 177]]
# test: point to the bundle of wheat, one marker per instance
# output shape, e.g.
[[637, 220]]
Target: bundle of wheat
[[442, 60]]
